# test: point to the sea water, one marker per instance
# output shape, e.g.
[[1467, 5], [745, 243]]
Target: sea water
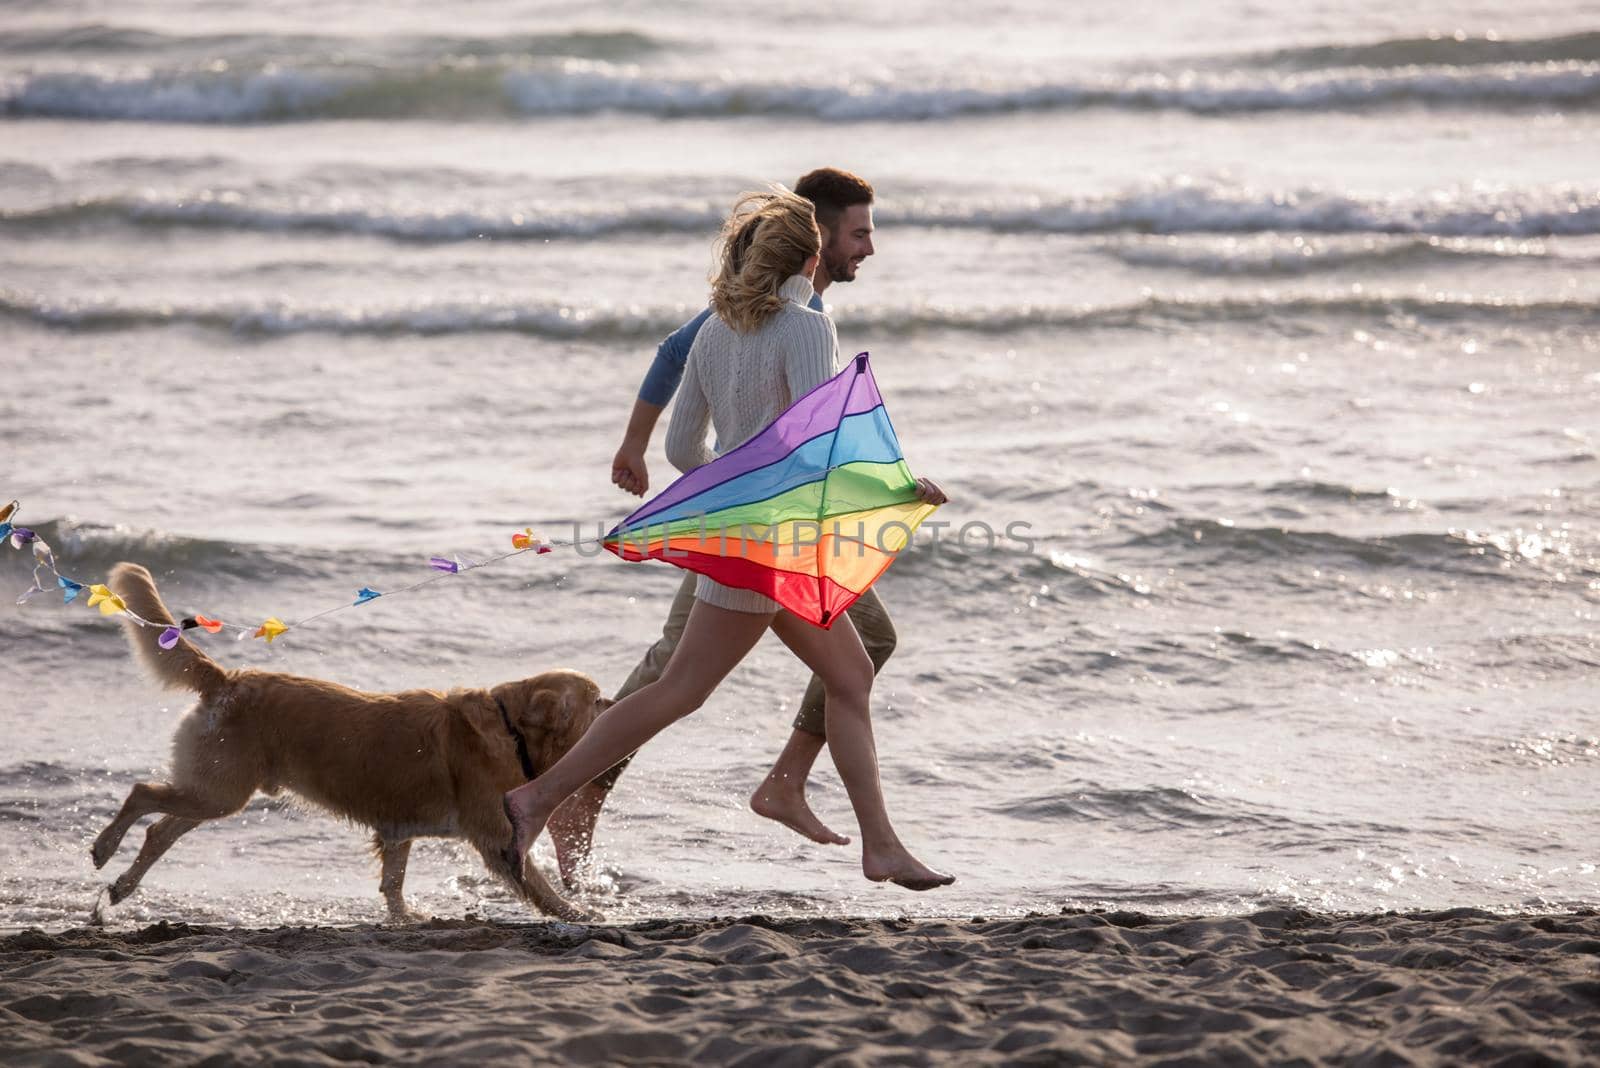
[[1272, 332]]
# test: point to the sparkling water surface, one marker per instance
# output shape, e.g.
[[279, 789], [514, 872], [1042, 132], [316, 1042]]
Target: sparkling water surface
[[1276, 328]]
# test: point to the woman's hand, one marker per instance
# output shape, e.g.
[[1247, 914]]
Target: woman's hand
[[928, 491]]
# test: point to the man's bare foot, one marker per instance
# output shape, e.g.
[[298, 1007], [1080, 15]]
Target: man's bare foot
[[903, 869], [523, 832], [405, 917], [571, 830], [569, 862], [789, 808]]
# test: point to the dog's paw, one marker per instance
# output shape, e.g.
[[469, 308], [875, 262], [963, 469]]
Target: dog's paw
[[102, 851], [97, 915]]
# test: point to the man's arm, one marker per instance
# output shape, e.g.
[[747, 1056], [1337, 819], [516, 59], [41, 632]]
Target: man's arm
[[628, 468]]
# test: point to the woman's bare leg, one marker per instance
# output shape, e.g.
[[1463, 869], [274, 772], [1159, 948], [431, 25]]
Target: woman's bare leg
[[714, 641], [840, 661]]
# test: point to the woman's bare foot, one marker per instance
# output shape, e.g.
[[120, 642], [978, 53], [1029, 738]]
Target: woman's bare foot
[[903, 869], [775, 800], [523, 831]]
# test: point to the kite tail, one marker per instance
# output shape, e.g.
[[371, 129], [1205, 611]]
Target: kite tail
[[183, 667]]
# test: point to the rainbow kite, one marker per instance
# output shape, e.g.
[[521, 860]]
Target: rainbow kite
[[809, 512]]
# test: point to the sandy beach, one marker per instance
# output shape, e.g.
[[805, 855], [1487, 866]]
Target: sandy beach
[[1274, 987], [1256, 345]]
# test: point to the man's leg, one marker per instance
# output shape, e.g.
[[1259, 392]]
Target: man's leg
[[572, 826], [654, 662], [713, 643], [655, 658], [782, 794]]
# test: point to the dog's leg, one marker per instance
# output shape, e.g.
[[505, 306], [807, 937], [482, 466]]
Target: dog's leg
[[528, 881], [392, 883], [157, 840], [143, 799], [195, 804]]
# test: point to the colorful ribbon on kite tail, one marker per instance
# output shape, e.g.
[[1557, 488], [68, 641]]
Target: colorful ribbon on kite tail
[[100, 596]]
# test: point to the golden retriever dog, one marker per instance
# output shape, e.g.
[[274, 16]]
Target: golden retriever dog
[[417, 764]]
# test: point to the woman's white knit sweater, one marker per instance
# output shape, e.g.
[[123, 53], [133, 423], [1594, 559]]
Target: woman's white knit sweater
[[737, 384]]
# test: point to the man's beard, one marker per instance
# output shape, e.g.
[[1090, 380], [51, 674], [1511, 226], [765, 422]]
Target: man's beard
[[839, 268]]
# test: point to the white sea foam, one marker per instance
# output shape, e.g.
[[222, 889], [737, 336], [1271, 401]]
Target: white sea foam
[[608, 321], [1176, 207], [574, 86], [1278, 254], [1197, 206], [198, 346]]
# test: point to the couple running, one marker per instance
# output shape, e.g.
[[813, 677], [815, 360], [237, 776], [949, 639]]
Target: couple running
[[762, 344]]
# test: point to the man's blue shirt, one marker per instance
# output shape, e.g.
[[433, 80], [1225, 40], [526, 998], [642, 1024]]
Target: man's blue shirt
[[666, 370]]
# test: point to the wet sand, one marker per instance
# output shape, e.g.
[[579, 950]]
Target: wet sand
[[1275, 987]]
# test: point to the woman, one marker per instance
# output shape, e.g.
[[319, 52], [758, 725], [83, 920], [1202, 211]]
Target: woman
[[763, 349]]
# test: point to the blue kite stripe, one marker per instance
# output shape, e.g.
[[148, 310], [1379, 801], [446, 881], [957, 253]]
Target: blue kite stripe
[[653, 510], [864, 437], [793, 426]]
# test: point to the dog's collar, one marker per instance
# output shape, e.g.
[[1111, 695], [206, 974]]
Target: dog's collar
[[528, 769]]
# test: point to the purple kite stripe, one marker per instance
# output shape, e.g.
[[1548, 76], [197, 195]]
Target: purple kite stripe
[[815, 413]]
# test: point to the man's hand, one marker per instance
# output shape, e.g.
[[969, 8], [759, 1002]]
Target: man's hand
[[627, 466], [928, 491], [628, 470]]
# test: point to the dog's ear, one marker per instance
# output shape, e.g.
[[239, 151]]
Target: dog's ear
[[536, 709], [523, 703], [552, 711]]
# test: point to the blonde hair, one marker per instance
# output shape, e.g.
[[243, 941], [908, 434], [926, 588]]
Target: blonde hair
[[768, 237]]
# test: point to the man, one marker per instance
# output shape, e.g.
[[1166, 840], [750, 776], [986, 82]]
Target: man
[[844, 217]]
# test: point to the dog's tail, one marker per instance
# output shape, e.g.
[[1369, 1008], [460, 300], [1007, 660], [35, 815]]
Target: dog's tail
[[183, 667]]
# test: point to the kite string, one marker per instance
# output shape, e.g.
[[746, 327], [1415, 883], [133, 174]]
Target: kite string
[[541, 547], [111, 604]]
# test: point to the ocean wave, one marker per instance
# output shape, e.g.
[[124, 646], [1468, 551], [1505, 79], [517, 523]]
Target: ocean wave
[[1280, 256], [605, 323], [1149, 809], [470, 87], [1439, 49], [1184, 206], [1490, 555], [100, 39], [278, 318], [40, 774], [33, 793], [1178, 558], [86, 551], [1170, 208], [1153, 807], [1543, 655], [15, 173], [234, 210], [1041, 572], [90, 549], [1333, 491]]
